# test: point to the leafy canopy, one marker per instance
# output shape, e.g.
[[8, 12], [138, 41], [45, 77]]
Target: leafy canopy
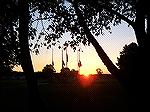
[[51, 19], [9, 42]]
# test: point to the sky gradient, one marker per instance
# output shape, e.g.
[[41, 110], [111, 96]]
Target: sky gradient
[[111, 43]]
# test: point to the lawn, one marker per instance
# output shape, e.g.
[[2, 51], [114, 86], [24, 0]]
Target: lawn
[[73, 96]]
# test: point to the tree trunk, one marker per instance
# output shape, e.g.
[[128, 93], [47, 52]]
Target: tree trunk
[[139, 77], [25, 57], [142, 32], [139, 26], [136, 81], [101, 53]]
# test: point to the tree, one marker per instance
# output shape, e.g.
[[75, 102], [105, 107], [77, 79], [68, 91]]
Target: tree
[[35, 102], [14, 45], [127, 57], [134, 13], [74, 73], [87, 19], [9, 44], [129, 61], [65, 72], [49, 69], [99, 71]]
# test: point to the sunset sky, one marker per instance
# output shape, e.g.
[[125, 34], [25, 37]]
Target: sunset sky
[[111, 43]]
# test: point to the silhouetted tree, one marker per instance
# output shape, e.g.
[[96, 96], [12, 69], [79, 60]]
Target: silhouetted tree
[[99, 71], [74, 72], [14, 46], [65, 72], [49, 69], [129, 61], [9, 44], [35, 103], [132, 70], [87, 19], [127, 57]]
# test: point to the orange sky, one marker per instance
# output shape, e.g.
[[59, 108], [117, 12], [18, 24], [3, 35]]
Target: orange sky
[[111, 43]]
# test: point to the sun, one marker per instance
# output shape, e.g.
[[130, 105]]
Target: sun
[[85, 74], [86, 80], [86, 71]]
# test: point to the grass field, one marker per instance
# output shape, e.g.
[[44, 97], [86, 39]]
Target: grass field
[[73, 96]]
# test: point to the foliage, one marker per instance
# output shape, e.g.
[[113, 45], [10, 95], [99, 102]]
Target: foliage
[[49, 69], [99, 71], [130, 63], [74, 72], [59, 17], [128, 56], [84, 20], [54, 18], [9, 43], [65, 72]]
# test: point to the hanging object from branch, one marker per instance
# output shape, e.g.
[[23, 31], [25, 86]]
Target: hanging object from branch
[[79, 64]]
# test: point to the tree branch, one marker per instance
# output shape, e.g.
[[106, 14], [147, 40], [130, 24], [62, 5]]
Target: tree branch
[[105, 59], [112, 11], [121, 16]]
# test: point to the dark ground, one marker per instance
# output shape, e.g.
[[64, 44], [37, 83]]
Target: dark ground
[[103, 95]]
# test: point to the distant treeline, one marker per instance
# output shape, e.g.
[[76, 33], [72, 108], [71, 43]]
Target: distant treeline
[[43, 75]]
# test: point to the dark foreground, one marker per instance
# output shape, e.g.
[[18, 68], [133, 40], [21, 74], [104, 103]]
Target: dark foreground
[[81, 95]]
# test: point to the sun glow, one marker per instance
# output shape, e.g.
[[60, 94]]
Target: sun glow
[[85, 75], [86, 70], [86, 81], [112, 44]]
